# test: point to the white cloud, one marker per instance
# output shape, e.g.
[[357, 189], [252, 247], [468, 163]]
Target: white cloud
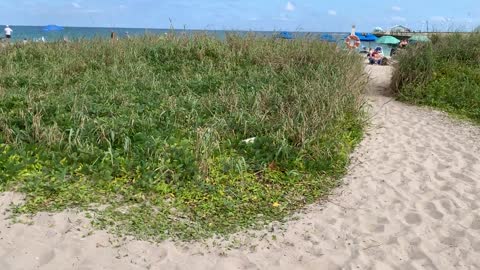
[[396, 8], [290, 6], [76, 5], [332, 12], [398, 19]]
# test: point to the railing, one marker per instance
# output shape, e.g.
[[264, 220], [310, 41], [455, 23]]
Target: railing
[[409, 34]]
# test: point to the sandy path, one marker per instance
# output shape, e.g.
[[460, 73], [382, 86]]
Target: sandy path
[[411, 201]]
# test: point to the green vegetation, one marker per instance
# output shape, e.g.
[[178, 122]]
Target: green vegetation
[[152, 129], [444, 74]]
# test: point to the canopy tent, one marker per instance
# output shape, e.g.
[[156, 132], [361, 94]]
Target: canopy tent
[[366, 37], [327, 38], [285, 35], [52, 28], [418, 38], [388, 40]]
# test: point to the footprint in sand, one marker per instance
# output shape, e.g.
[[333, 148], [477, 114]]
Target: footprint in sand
[[476, 246], [470, 158], [462, 177], [476, 224], [447, 205], [413, 219], [47, 257], [443, 167], [432, 211], [383, 220]]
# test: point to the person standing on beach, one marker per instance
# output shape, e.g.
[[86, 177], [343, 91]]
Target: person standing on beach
[[8, 32]]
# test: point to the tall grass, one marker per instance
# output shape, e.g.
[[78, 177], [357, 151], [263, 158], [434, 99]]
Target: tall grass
[[155, 128], [444, 74]]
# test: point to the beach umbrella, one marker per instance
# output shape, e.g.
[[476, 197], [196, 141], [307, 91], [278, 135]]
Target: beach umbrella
[[388, 40], [285, 35], [327, 38], [419, 38], [52, 28], [366, 37]]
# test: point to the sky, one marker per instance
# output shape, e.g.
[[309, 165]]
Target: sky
[[266, 15]]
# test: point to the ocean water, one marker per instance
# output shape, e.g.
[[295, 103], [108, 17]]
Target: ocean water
[[72, 33], [36, 32], [33, 33]]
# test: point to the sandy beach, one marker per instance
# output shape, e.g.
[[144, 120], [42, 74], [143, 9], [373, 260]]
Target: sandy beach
[[411, 200]]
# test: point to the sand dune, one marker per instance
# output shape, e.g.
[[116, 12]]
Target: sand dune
[[411, 200]]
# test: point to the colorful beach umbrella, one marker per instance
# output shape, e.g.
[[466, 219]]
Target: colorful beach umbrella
[[366, 37], [419, 38], [388, 40], [52, 28], [285, 35]]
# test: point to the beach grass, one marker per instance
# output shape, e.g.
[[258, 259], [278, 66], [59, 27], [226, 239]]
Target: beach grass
[[444, 74], [149, 133]]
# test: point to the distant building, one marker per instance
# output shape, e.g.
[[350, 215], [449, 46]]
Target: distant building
[[400, 29], [378, 30]]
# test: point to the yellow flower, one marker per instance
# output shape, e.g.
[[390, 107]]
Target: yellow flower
[[275, 204]]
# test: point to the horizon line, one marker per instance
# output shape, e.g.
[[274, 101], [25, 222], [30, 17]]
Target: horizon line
[[177, 29]]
